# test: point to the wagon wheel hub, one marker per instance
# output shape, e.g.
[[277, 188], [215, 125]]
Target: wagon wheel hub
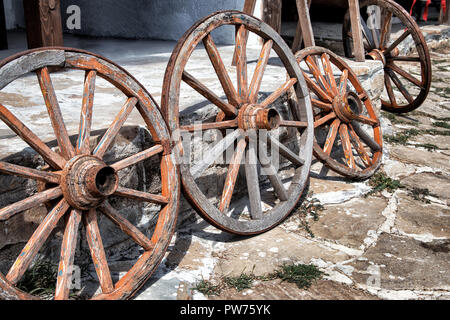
[[254, 117], [347, 108], [378, 55], [87, 181]]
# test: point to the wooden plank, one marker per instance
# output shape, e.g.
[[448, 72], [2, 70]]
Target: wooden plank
[[43, 21], [272, 13], [3, 32], [355, 19], [304, 32]]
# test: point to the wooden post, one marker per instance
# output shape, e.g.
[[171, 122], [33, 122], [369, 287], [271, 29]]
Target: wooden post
[[355, 19], [444, 16], [3, 34], [272, 13], [249, 7], [304, 30], [43, 21]]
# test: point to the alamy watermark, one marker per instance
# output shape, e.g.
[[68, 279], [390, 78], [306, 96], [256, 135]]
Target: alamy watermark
[[73, 22]]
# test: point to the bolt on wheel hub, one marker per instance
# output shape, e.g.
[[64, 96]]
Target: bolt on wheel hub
[[87, 181]]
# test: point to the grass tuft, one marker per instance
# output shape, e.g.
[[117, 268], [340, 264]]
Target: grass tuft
[[40, 279], [301, 274]]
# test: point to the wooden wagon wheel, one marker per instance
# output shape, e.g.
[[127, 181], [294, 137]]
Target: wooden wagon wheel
[[244, 117], [342, 110], [80, 182], [414, 69]]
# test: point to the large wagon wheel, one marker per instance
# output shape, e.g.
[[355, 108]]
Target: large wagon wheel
[[80, 183], [342, 110], [407, 74], [246, 116]]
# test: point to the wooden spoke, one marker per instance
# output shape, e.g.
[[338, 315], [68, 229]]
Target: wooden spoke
[[385, 28], [325, 119], [251, 175], [55, 114], [322, 105], [98, 255], [343, 83], [321, 94], [259, 71], [35, 242], [84, 132], [221, 71], [314, 69], [227, 108], [19, 171], [228, 124], [241, 63], [405, 75], [286, 152], [400, 86], [279, 92], [68, 247], [390, 91], [141, 196], [230, 180], [112, 131], [346, 146], [406, 59], [52, 158], [329, 73], [271, 172], [334, 127], [397, 41], [359, 147], [133, 232], [215, 152], [368, 140], [30, 202], [294, 124], [138, 157], [367, 120]]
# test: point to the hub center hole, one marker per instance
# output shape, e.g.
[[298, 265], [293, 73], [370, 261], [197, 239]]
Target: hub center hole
[[106, 180]]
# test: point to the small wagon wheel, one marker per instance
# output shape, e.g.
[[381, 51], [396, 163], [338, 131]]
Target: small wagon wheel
[[80, 182], [342, 110], [246, 116], [406, 73]]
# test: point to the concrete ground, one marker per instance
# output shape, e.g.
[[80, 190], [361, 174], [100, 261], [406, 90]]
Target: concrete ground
[[386, 245]]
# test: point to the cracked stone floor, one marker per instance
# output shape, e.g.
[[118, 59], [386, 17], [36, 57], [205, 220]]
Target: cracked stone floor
[[385, 245]]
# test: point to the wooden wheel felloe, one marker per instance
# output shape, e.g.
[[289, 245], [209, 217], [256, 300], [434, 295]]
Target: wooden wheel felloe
[[246, 194], [82, 183], [386, 28], [343, 112]]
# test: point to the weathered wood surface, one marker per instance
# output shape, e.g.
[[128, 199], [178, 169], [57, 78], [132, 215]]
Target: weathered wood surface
[[43, 23], [355, 18]]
